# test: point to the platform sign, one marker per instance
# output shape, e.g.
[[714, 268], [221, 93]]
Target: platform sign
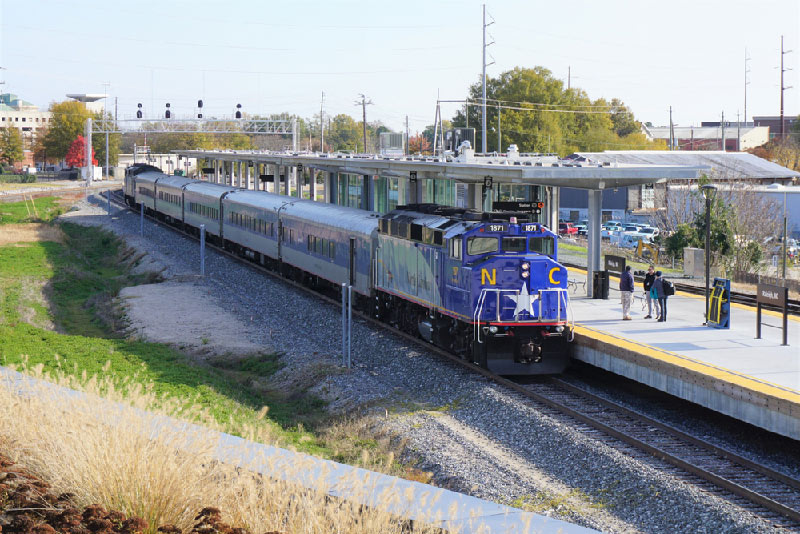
[[775, 296], [719, 304], [534, 208], [615, 264]]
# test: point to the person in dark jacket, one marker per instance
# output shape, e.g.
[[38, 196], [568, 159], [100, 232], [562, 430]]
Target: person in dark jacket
[[658, 284], [649, 278], [626, 287]]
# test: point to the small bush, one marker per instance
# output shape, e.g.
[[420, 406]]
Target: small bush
[[17, 178]]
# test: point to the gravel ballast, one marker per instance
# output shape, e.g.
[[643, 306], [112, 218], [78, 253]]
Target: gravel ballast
[[473, 435]]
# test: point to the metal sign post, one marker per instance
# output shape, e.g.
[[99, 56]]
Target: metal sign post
[[141, 219], [777, 296], [347, 323], [202, 250], [108, 201]]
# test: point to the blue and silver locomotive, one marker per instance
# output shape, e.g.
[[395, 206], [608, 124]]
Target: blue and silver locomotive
[[485, 286]]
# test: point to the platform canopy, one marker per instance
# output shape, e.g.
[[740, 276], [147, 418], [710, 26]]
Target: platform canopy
[[545, 170]]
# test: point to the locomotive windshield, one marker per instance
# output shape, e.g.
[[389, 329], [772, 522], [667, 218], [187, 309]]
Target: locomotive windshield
[[481, 245], [514, 244], [542, 245]]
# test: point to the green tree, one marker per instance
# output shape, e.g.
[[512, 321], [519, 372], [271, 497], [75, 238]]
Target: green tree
[[538, 114], [684, 236], [10, 145], [69, 119], [344, 133]]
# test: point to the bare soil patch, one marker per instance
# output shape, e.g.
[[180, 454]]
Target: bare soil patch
[[185, 316], [29, 233]]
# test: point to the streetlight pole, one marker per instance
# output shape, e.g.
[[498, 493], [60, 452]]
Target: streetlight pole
[[709, 191]]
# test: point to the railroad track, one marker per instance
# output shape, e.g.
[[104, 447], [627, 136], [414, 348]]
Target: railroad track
[[760, 489]]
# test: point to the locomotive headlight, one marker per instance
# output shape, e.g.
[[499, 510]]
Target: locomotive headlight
[[493, 329], [559, 329], [525, 274], [525, 265]]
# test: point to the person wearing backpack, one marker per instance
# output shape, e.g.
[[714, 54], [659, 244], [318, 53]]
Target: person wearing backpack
[[658, 285], [650, 296]]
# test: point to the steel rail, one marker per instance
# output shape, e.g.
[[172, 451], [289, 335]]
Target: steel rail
[[560, 407]]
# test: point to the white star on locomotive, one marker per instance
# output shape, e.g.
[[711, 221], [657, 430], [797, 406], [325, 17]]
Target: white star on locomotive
[[524, 301]]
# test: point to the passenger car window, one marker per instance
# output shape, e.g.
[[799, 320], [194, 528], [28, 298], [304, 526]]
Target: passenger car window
[[481, 245], [513, 244], [541, 245]]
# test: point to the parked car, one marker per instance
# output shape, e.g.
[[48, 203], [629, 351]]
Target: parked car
[[582, 229], [567, 229], [612, 225], [649, 231]]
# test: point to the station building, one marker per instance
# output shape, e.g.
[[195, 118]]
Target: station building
[[26, 117]]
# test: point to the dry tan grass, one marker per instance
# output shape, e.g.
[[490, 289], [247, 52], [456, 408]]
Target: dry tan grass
[[37, 185], [124, 458], [29, 233]]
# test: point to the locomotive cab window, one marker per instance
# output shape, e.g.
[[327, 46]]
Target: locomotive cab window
[[542, 245], [513, 244], [481, 245], [455, 248]]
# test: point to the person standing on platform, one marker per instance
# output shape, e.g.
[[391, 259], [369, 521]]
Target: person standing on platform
[[626, 287], [649, 278], [658, 284]]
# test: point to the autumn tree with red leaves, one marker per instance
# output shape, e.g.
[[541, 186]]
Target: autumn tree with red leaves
[[76, 155], [417, 144]]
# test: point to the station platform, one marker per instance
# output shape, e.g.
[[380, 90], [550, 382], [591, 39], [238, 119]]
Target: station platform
[[726, 370]]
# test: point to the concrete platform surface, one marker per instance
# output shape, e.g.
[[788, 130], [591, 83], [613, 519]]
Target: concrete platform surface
[[756, 380]]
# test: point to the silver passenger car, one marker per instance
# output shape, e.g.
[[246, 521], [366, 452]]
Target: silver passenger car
[[169, 196], [145, 185], [202, 205]]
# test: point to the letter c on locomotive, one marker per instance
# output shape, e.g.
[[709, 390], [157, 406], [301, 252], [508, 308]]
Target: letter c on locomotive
[[554, 270]]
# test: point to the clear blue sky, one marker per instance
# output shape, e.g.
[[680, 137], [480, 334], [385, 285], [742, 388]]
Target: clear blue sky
[[279, 56]]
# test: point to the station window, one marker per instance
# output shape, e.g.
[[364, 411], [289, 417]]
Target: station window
[[541, 245], [513, 244], [481, 245]]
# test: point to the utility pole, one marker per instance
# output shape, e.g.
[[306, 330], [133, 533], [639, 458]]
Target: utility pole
[[746, 83], [483, 82], [722, 125], [783, 88], [738, 133], [364, 102], [569, 76], [671, 131], [407, 150], [499, 134], [322, 124]]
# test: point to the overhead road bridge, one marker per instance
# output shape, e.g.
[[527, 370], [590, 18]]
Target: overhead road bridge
[[379, 183]]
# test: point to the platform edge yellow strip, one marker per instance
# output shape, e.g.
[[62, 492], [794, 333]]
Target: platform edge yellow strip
[[679, 360]]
